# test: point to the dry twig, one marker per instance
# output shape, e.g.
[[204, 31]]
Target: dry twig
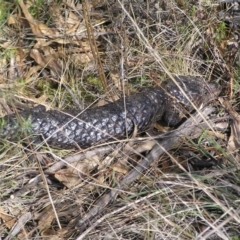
[[186, 129]]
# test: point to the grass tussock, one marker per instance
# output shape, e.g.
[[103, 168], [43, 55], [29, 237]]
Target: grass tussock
[[67, 54]]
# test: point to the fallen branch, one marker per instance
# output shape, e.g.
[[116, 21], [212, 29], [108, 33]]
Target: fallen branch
[[170, 140]]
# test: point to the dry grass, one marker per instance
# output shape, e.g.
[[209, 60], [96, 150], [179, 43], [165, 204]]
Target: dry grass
[[63, 54]]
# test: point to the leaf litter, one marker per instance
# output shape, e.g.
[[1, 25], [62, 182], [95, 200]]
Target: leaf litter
[[50, 54]]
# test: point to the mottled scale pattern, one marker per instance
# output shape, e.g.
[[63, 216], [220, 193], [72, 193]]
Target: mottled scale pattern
[[113, 121]]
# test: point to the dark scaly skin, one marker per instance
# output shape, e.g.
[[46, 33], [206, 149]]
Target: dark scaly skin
[[111, 121]]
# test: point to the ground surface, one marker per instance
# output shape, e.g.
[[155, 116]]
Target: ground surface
[[66, 54]]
